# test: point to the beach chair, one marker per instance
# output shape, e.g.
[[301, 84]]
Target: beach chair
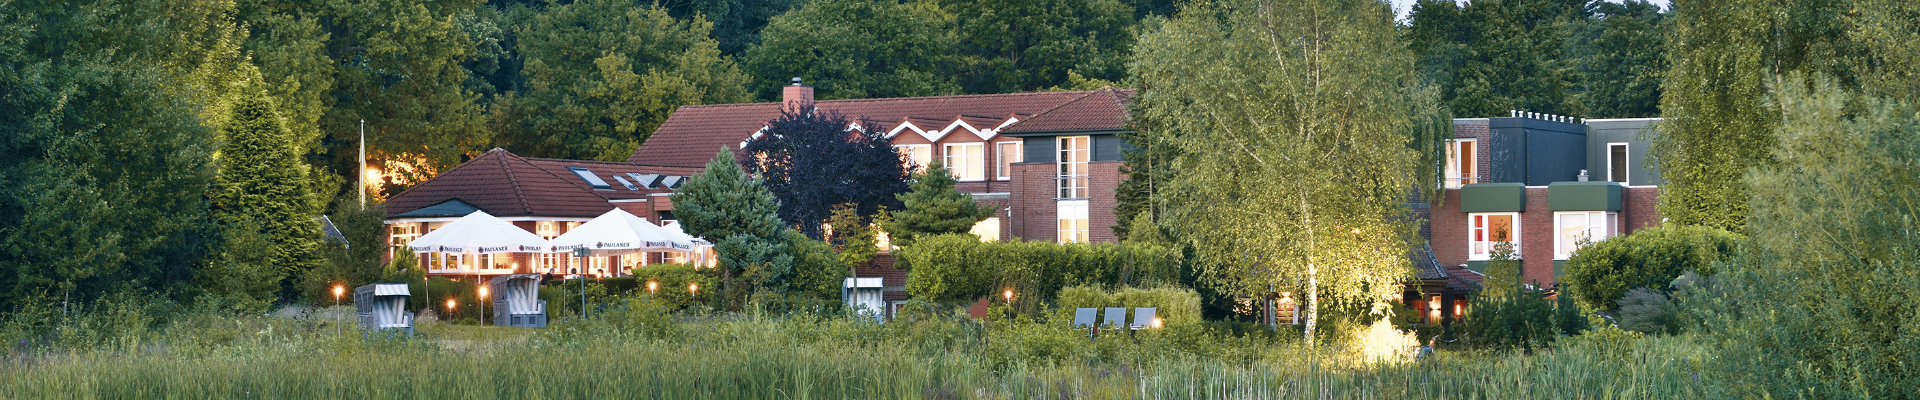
[[1116, 317], [1142, 318]]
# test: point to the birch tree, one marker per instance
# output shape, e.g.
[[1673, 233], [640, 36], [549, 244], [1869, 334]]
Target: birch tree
[[1303, 132]]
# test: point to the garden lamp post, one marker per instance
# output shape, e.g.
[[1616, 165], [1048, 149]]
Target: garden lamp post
[[449, 309], [1008, 294], [483, 305], [653, 287], [337, 291], [693, 289]]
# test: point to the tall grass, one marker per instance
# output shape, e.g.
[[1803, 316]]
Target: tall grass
[[810, 357]]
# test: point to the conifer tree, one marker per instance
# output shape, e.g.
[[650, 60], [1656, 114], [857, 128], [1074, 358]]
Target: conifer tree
[[934, 208], [725, 205], [263, 187]]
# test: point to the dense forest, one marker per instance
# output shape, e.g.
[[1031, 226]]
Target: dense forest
[[120, 112]]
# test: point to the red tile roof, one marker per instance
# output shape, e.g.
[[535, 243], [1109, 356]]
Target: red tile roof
[[691, 136], [607, 171], [504, 184], [1099, 110]]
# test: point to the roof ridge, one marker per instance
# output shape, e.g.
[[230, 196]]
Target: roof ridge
[[578, 161], [421, 183], [515, 182], [1058, 106], [562, 178]]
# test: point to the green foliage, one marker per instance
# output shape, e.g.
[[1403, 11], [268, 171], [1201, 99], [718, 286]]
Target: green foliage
[[1024, 45], [601, 75], [1176, 306], [958, 268], [1618, 56], [356, 263], [854, 239], [726, 204], [262, 186], [1285, 182], [1647, 310], [934, 208], [818, 273], [399, 68], [672, 280], [107, 157], [1569, 316], [1819, 301], [1716, 124], [1600, 273], [1520, 320], [1493, 56], [214, 355], [852, 49], [1503, 272]]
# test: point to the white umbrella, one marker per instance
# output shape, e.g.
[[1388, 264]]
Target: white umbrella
[[674, 227], [479, 233], [618, 233]]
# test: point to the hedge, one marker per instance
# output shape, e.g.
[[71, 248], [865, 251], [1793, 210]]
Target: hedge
[[959, 267]]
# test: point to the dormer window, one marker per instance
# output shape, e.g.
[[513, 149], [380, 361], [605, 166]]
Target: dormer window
[[594, 180]]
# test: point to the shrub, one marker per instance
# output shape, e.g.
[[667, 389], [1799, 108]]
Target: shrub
[[1647, 310], [1522, 320], [1602, 272], [672, 280], [1174, 306]]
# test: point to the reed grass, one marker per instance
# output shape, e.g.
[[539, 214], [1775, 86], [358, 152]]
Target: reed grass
[[811, 357]]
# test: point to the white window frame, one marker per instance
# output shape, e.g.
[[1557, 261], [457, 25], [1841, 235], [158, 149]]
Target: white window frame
[[1073, 163], [1474, 245], [967, 161], [1073, 221], [1004, 159], [1628, 170], [1454, 176], [917, 156], [1565, 242]]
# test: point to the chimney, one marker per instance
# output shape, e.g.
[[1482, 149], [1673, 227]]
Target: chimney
[[796, 94]]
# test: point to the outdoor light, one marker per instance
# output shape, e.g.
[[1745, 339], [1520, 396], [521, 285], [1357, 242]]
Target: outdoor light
[[449, 305], [653, 287], [337, 291], [1158, 323], [483, 292], [693, 288], [1008, 294]]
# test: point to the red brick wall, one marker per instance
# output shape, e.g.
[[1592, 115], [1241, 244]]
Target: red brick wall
[[1449, 238], [1536, 239], [1032, 200], [1104, 178], [1640, 212], [1483, 163]]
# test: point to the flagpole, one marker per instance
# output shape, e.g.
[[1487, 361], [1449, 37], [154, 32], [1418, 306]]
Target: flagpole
[[363, 164]]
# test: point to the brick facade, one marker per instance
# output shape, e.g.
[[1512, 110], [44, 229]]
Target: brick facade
[[1104, 178], [1641, 211], [1032, 201], [1448, 234], [1482, 135]]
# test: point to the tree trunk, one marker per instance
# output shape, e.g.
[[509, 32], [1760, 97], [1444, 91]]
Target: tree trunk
[[1313, 300]]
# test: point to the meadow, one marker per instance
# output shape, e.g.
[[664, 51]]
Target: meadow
[[638, 351]]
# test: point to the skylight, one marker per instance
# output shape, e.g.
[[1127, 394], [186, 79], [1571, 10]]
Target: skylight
[[623, 182], [591, 178]]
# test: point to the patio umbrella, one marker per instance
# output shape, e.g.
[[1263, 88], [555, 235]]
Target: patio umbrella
[[674, 227], [619, 233], [479, 233]]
